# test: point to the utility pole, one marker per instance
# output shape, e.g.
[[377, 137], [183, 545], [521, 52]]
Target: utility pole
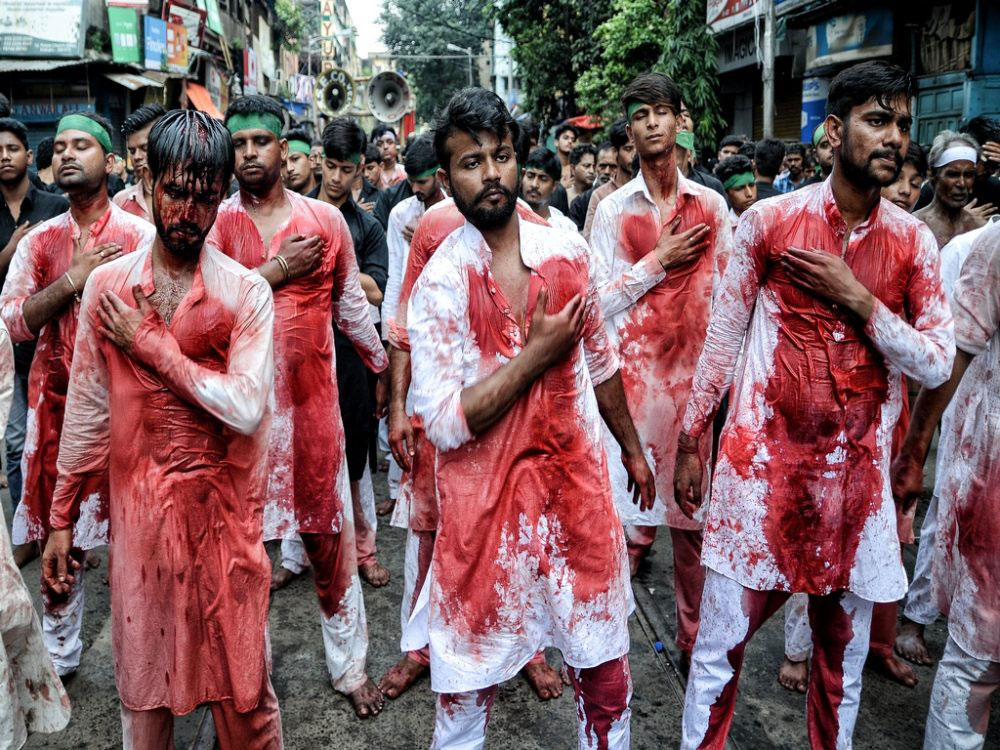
[[768, 77], [456, 48]]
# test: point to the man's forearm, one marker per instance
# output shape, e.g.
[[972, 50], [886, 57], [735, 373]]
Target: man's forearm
[[485, 402], [614, 410], [40, 308], [928, 408], [399, 377], [273, 273], [371, 290]]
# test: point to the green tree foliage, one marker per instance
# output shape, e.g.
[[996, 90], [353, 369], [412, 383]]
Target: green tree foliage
[[289, 24], [426, 27], [554, 46]]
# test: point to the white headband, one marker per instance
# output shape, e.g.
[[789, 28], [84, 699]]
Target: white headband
[[956, 153]]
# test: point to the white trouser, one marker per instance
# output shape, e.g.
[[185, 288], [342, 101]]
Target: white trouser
[[395, 473], [61, 627], [798, 634], [920, 605], [293, 555], [960, 700]]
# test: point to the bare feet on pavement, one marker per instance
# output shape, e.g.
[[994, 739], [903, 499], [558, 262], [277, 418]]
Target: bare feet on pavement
[[281, 577], [910, 643], [93, 559], [367, 699], [385, 507], [793, 675], [401, 677], [374, 573], [893, 669], [633, 564], [544, 679]]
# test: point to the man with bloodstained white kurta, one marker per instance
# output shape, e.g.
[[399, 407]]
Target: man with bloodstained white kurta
[[965, 573], [303, 248], [41, 299], [660, 244], [512, 372], [833, 293], [169, 404]]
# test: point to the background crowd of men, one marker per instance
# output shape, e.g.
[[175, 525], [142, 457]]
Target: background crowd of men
[[559, 350]]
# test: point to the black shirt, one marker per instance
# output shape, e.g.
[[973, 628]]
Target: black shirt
[[707, 180], [369, 193], [578, 208], [387, 200], [765, 190], [38, 205]]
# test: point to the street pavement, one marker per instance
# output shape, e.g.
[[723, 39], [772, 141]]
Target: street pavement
[[314, 716]]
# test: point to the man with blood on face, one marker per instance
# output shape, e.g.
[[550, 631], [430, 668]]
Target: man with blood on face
[[836, 294], [660, 245], [41, 299], [965, 573], [953, 158], [512, 372], [303, 248], [175, 341]]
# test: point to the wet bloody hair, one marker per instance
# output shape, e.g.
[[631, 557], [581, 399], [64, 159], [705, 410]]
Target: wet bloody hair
[[194, 142]]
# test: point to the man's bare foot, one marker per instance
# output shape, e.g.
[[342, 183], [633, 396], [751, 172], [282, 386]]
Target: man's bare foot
[[25, 553], [633, 564], [93, 560], [375, 573], [401, 677], [794, 675], [385, 507], [893, 669], [910, 643], [281, 577], [544, 680], [367, 700], [564, 675], [3, 481]]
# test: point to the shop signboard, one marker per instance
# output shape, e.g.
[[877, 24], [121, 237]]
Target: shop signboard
[[177, 48], [155, 43], [123, 24], [192, 19], [849, 38], [41, 28]]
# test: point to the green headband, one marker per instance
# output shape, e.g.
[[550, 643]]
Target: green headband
[[79, 122], [685, 139], [739, 180], [300, 147], [818, 134], [255, 121], [425, 174], [631, 107]]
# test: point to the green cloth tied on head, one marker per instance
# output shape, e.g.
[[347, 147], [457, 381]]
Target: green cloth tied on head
[[631, 107], [91, 127], [685, 139], [356, 158], [299, 147], [739, 180], [818, 134], [255, 121], [429, 172]]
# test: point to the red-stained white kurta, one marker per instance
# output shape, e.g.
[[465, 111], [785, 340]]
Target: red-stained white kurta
[[966, 570], [133, 200], [309, 483], [529, 550], [800, 494], [658, 321], [42, 257], [180, 429]]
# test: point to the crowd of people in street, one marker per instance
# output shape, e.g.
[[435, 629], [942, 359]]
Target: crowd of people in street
[[557, 351]]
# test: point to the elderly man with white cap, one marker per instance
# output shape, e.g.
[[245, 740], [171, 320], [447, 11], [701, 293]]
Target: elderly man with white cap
[[953, 160]]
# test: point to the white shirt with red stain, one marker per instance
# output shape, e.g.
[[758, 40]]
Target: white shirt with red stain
[[179, 426], [32, 698], [42, 258], [392, 177], [309, 484], [966, 569], [800, 494], [658, 321], [133, 200], [529, 550], [406, 213]]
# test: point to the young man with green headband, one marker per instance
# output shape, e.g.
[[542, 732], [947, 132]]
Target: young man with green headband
[[660, 244], [267, 227], [824, 156], [41, 299], [739, 182], [299, 175]]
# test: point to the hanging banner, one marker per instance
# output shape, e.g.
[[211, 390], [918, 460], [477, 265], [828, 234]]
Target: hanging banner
[[814, 92], [177, 48], [849, 38], [123, 25], [217, 86], [249, 72], [155, 43], [192, 19], [41, 28], [211, 8]]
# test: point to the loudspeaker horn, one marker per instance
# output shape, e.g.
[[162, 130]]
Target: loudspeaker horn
[[334, 92], [388, 96]]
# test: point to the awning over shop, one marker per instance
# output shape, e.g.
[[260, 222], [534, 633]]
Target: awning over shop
[[133, 81], [202, 100], [25, 66]]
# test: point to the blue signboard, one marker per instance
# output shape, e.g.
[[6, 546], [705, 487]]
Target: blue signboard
[[849, 38], [814, 92], [156, 43]]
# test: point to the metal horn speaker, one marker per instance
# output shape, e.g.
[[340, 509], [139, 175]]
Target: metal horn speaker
[[388, 96], [334, 92]]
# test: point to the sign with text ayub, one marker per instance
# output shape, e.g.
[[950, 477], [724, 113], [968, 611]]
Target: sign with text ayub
[[123, 24], [155, 43], [41, 28]]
